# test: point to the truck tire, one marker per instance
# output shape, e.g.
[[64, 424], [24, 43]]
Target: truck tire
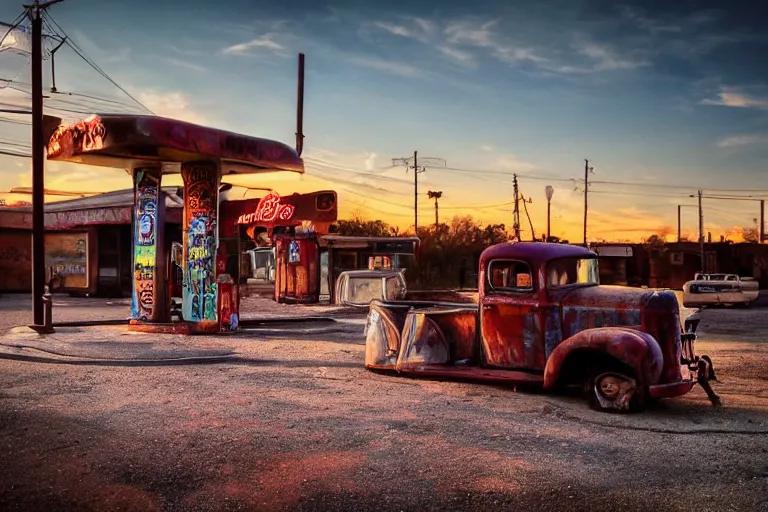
[[614, 391]]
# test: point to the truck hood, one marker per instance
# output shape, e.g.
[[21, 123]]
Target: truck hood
[[600, 306]]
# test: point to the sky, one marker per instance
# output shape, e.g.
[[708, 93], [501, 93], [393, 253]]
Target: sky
[[663, 98]]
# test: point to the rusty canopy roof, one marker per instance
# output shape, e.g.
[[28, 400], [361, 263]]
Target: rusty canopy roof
[[124, 141]]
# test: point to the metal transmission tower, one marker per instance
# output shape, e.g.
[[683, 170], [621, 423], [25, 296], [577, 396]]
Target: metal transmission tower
[[435, 195], [412, 162]]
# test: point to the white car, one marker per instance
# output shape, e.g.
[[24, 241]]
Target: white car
[[719, 290]]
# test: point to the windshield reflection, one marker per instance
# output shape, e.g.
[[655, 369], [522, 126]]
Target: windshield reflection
[[572, 271]]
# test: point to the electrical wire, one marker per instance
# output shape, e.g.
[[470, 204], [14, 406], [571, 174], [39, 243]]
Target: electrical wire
[[61, 33], [13, 25]]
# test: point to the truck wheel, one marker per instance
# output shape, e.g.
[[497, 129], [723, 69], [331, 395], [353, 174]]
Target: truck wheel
[[615, 392]]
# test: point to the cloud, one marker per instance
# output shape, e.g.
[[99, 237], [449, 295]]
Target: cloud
[[370, 162], [420, 29], [510, 162], [392, 67], [483, 35], [743, 140], [174, 105], [185, 65], [486, 147], [643, 22], [606, 59], [733, 97], [264, 42]]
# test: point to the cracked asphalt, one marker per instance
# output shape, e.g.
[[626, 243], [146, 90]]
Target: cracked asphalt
[[298, 424]]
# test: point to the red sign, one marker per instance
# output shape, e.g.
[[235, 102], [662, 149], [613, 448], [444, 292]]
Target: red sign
[[269, 209]]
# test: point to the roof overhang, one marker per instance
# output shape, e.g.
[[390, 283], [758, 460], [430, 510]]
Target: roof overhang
[[126, 141]]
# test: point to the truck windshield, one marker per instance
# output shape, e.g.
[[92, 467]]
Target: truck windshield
[[572, 271]]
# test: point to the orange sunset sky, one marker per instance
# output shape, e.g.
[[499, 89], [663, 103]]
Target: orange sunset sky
[[662, 103]]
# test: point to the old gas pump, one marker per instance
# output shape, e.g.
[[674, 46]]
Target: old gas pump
[[298, 268], [229, 298]]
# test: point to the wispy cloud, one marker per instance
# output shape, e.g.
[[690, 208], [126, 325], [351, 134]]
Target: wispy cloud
[[174, 105], [510, 162], [607, 59], [483, 35], [734, 97], [743, 140], [185, 65], [643, 22], [392, 67], [264, 42]]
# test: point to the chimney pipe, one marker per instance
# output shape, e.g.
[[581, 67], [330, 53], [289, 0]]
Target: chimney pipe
[[300, 108]]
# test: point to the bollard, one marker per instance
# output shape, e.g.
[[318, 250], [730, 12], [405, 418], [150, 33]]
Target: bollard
[[48, 312]]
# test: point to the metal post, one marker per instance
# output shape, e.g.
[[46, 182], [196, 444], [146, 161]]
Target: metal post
[[516, 218], [586, 190], [300, 108], [679, 229], [38, 168], [701, 235], [549, 191], [416, 193], [761, 231]]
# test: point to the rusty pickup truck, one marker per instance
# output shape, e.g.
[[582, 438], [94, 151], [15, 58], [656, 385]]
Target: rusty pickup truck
[[540, 317]]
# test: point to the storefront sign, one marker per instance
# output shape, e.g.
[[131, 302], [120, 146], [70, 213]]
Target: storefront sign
[[269, 209]]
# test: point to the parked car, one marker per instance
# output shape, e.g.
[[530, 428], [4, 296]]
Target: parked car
[[719, 289], [541, 318], [360, 287]]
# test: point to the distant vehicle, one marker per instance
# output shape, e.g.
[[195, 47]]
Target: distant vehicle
[[720, 290], [541, 318], [258, 269], [360, 287]]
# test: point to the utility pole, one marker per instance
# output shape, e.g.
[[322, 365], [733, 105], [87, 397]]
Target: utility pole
[[516, 211], [701, 234], [416, 171], [587, 170], [35, 13], [435, 195], [679, 223], [761, 231], [549, 191]]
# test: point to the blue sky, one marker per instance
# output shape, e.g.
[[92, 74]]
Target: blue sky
[[649, 92]]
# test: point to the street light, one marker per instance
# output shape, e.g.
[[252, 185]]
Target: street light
[[549, 191]]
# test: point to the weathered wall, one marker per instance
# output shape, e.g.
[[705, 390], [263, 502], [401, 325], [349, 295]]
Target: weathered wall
[[15, 261]]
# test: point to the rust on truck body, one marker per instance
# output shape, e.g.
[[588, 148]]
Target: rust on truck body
[[540, 316]]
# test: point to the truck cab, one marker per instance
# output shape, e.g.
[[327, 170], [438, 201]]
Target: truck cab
[[541, 317]]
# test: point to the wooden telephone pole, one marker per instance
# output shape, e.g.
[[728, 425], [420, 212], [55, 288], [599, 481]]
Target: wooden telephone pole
[[416, 171], [587, 170], [516, 210], [35, 13]]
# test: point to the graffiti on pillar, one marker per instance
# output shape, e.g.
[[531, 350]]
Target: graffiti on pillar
[[200, 209], [144, 242]]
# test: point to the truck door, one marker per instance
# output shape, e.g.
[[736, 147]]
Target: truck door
[[509, 317]]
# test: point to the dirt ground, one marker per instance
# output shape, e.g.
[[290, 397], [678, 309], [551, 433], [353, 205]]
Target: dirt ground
[[299, 424]]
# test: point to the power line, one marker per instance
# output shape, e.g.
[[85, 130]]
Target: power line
[[61, 33]]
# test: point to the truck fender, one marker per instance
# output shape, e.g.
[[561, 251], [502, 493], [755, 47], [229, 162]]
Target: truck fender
[[637, 349], [382, 336]]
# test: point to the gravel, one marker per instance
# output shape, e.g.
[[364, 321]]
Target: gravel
[[301, 425]]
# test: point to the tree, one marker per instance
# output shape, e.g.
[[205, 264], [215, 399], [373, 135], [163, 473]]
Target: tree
[[356, 226], [750, 234]]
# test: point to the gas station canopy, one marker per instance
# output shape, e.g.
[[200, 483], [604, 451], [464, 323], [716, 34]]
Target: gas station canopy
[[124, 141]]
